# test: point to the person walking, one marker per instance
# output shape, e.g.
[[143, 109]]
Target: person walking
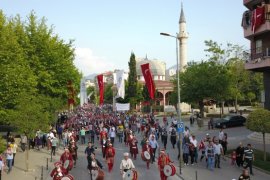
[[125, 165], [82, 134], [154, 146], [173, 137], [239, 155], [163, 160], [112, 134], [249, 158], [54, 144], [89, 149], [14, 148], [202, 148], [209, 153], [9, 158], [23, 142], [218, 151], [164, 136], [109, 154], [193, 149], [185, 150]]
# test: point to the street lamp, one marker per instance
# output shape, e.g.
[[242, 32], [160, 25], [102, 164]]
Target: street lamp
[[178, 94]]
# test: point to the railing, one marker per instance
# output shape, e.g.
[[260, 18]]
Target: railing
[[254, 55]]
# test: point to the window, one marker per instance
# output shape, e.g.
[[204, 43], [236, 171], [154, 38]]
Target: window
[[258, 46]]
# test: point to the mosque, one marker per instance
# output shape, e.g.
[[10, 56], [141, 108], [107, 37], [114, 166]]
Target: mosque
[[161, 75]]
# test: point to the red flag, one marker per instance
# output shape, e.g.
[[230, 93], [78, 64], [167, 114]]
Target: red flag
[[258, 18], [148, 80], [101, 88]]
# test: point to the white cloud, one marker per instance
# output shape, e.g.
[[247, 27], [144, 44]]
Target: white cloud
[[89, 63]]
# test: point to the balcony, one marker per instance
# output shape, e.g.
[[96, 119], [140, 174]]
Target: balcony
[[258, 61], [248, 33], [251, 3]]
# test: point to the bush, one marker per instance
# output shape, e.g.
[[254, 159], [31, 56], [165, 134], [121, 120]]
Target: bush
[[2, 145]]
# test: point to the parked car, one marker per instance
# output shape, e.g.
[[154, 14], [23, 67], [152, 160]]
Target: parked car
[[230, 121]]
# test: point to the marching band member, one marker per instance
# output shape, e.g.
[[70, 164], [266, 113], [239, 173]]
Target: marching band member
[[67, 156], [58, 172], [110, 153], [126, 164], [163, 160], [147, 148], [73, 151], [134, 148]]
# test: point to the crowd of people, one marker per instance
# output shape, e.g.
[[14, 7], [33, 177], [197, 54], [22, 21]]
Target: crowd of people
[[102, 126]]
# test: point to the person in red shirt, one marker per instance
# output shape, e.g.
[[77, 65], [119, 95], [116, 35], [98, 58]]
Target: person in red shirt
[[67, 157], [163, 160], [58, 172], [147, 148], [103, 134], [134, 148], [110, 153]]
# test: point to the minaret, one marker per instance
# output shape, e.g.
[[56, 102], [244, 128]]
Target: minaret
[[183, 37]]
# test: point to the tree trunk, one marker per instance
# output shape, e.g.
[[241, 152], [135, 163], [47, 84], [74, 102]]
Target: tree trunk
[[222, 105], [264, 150], [201, 105], [236, 104]]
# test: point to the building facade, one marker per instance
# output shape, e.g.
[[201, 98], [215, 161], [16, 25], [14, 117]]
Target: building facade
[[256, 26]]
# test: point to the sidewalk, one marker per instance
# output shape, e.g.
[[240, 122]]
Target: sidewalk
[[227, 172], [37, 160]]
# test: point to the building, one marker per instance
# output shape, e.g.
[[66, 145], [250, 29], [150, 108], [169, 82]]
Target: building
[[256, 26]]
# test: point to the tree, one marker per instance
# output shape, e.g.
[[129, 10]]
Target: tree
[[132, 81], [258, 121], [91, 92], [108, 94], [204, 80], [251, 96]]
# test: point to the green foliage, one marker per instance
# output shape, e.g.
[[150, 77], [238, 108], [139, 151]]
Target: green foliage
[[108, 94], [132, 88], [204, 80], [3, 145], [35, 67], [91, 91], [258, 121]]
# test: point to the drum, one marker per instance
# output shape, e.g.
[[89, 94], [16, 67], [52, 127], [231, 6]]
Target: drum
[[169, 170], [146, 156], [129, 175], [97, 175], [135, 175], [68, 177]]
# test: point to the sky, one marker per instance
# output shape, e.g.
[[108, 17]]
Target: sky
[[107, 31]]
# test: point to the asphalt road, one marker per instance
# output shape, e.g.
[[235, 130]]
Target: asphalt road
[[81, 172]]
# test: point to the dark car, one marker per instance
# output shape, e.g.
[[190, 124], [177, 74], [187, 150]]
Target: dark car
[[230, 121]]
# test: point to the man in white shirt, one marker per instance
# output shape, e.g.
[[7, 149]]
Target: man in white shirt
[[126, 165], [193, 149], [220, 135], [154, 145], [218, 151]]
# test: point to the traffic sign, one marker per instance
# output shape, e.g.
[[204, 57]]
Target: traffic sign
[[180, 127]]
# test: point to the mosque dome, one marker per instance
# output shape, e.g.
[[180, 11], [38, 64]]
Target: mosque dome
[[157, 67]]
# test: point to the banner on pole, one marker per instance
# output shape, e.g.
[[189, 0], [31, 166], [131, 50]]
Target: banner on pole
[[122, 107]]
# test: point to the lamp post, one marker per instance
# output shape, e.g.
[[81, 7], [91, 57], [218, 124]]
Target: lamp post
[[178, 95]]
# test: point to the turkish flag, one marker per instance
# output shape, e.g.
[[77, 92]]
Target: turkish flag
[[258, 18], [101, 88], [148, 80]]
